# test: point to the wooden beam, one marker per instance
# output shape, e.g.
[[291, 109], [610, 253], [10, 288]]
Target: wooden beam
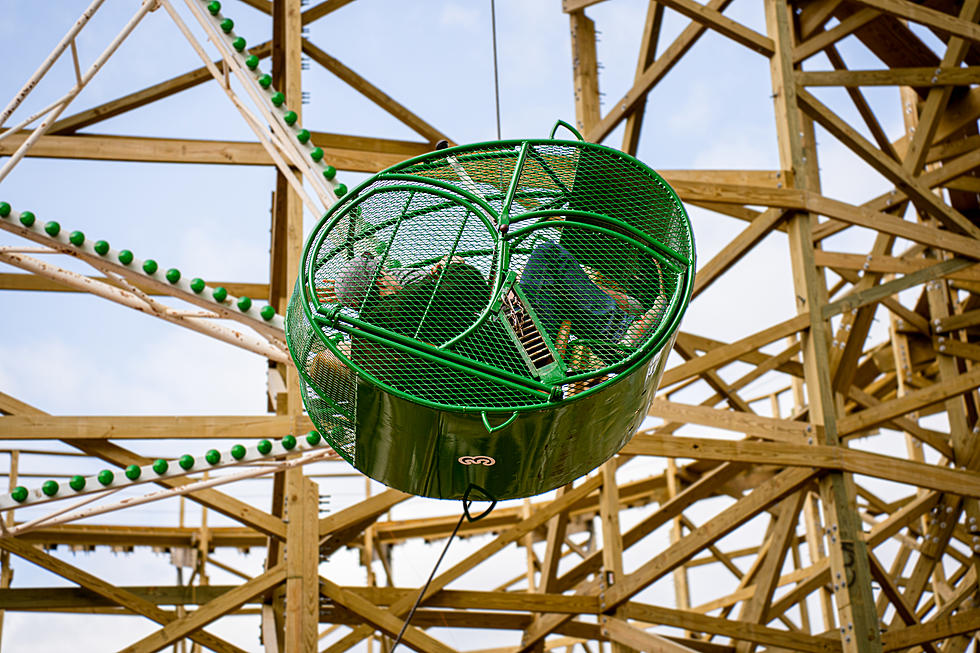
[[373, 93], [177, 150], [119, 106], [31, 282], [214, 609], [928, 17], [384, 620], [911, 402], [802, 455], [890, 77], [722, 24], [585, 72], [888, 167], [737, 630], [651, 76], [124, 427], [624, 634], [647, 55], [116, 595]]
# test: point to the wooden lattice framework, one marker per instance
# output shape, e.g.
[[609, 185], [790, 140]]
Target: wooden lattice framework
[[830, 564]]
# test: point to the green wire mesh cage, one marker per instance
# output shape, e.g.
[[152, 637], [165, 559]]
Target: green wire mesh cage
[[495, 315]]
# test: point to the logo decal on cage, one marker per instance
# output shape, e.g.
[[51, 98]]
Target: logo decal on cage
[[476, 460]]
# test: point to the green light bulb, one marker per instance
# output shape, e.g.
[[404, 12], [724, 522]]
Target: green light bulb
[[76, 238], [133, 472], [52, 228]]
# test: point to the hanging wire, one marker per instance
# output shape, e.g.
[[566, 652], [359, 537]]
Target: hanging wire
[[466, 515], [496, 81]]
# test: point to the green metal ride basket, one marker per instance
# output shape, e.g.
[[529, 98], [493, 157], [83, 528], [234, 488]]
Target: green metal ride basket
[[494, 315]]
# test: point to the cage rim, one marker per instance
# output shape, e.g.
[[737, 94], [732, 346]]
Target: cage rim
[[674, 312]]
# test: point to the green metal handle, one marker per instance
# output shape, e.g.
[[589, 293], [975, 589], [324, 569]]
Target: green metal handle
[[491, 429], [562, 123]]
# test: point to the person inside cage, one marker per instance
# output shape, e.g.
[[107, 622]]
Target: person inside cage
[[558, 288]]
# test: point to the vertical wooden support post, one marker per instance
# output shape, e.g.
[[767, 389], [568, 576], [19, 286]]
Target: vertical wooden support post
[[287, 210], [612, 536], [585, 70], [850, 569], [648, 54], [302, 562], [6, 573], [682, 593], [286, 248]]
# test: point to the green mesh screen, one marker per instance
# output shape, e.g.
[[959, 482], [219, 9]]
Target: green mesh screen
[[506, 275]]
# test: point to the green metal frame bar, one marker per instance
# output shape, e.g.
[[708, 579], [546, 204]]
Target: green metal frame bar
[[647, 246]]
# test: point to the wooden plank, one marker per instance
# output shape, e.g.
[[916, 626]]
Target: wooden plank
[[302, 561], [722, 24], [888, 167], [651, 76], [31, 282], [764, 427], [623, 633], [718, 358], [928, 17], [912, 401], [647, 55], [888, 265], [876, 293], [125, 427], [373, 93], [756, 608], [942, 76], [736, 248], [113, 108], [227, 602], [744, 509], [737, 630], [823, 40], [180, 150], [959, 321], [384, 620], [865, 217], [218, 501], [663, 563], [537, 519], [568, 6], [585, 71], [115, 594], [802, 455]]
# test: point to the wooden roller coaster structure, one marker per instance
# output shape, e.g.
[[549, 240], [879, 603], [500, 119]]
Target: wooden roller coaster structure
[[836, 511]]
